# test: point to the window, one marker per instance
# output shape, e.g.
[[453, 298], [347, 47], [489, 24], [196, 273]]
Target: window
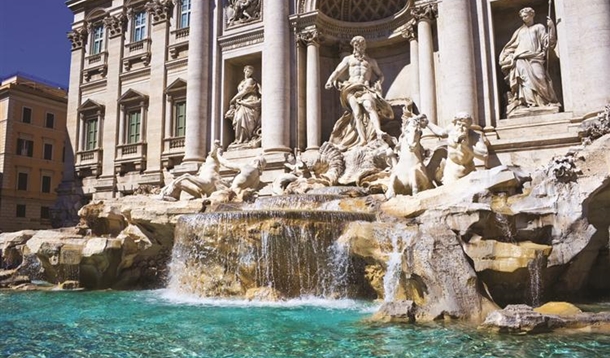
[[26, 115], [45, 213], [22, 181], [180, 119], [133, 127], [48, 151], [139, 26], [97, 45], [46, 184], [20, 210], [50, 120], [185, 14], [25, 147], [91, 133]]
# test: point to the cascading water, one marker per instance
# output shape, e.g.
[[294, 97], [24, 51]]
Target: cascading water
[[294, 252], [505, 227], [535, 268], [391, 280]]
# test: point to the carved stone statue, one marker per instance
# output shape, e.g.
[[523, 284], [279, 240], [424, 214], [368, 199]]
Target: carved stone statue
[[203, 184], [409, 175], [463, 145], [523, 62], [241, 11], [360, 98], [249, 174], [245, 112]]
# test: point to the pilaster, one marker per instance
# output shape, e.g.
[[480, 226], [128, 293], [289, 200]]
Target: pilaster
[[425, 16]]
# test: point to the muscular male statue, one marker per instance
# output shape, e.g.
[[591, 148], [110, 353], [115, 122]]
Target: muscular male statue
[[362, 101]]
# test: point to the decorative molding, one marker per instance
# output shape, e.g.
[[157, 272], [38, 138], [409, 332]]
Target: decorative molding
[[78, 37], [115, 24], [310, 36], [409, 31], [427, 12], [160, 10], [231, 42]]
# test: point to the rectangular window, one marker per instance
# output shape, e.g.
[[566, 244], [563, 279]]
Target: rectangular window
[[180, 119], [50, 120], [20, 210], [185, 14], [46, 184], [25, 147], [22, 181], [45, 213], [133, 127], [48, 151], [26, 115], [139, 26], [97, 45], [91, 134]]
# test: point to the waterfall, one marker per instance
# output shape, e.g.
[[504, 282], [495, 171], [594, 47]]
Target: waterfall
[[505, 227], [400, 241], [294, 252], [535, 268]]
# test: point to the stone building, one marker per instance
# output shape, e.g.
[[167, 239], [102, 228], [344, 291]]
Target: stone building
[[32, 141], [152, 80]]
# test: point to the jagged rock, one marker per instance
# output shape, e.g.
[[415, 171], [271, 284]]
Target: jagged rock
[[522, 319], [558, 308], [395, 312], [267, 294], [503, 256]]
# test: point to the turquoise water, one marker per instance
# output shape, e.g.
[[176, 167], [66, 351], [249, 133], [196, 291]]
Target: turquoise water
[[157, 324]]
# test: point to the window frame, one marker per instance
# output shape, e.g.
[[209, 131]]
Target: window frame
[[25, 182], [46, 120], [45, 212], [42, 184], [91, 128], [44, 151], [23, 117], [139, 30], [176, 118], [184, 14], [133, 130], [17, 211], [29, 149], [98, 39]]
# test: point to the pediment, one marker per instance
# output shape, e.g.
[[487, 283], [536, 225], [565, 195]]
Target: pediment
[[96, 14], [90, 105], [132, 96], [178, 85]]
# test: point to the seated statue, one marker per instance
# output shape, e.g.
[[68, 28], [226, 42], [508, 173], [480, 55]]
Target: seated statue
[[245, 112], [523, 62], [463, 145], [203, 184], [409, 175], [362, 101], [249, 174]]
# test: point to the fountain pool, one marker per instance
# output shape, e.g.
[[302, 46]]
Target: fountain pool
[[161, 324]]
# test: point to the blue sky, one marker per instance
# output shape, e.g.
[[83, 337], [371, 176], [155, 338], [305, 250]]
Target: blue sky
[[33, 39]]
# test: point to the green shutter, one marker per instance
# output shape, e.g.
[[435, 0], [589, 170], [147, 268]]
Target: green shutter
[[180, 129]]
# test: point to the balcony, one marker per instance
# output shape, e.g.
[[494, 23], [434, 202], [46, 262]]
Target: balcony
[[173, 151], [89, 162], [137, 52], [130, 157], [178, 43], [95, 66]]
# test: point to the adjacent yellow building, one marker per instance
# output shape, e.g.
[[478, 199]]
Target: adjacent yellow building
[[32, 141]]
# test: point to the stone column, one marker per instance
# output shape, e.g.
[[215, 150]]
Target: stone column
[[456, 45], [424, 16], [410, 33], [302, 98], [152, 125], [276, 78], [314, 103], [195, 140]]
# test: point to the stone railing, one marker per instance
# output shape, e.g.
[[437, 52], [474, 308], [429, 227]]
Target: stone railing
[[178, 42], [88, 162], [96, 60], [130, 155]]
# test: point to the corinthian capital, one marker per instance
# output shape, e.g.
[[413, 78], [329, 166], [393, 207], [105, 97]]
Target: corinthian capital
[[159, 10], [427, 12], [115, 24], [78, 37], [310, 36]]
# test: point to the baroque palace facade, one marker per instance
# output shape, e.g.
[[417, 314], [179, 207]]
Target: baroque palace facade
[[152, 81]]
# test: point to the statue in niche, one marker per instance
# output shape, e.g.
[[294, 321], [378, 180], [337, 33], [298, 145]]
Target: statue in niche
[[409, 174], [463, 145], [523, 62], [363, 103], [242, 11], [245, 112], [206, 182]]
